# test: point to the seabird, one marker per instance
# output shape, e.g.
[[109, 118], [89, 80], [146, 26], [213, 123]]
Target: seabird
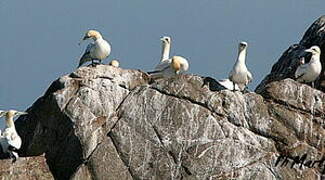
[[226, 83], [10, 141], [239, 74], [178, 65], [97, 50], [308, 72], [164, 60], [114, 63]]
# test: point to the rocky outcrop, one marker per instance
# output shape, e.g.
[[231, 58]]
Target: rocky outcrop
[[29, 168], [288, 62], [109, 123]]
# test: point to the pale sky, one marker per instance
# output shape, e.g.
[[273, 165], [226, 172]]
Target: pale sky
[[39, 39]]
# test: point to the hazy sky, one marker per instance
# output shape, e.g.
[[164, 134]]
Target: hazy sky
[[39, 39]]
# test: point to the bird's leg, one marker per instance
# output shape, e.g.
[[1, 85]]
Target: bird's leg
[[312, 84], [12, 156], [96, 63], [92, 63], [234, 86]]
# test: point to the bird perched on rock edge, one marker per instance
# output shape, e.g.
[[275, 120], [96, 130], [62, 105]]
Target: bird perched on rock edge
[[309, 72], [239, 74], [97, 50]]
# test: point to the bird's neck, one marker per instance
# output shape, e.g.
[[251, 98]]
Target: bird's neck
[[10, 121], [165, 51], [241, 56]]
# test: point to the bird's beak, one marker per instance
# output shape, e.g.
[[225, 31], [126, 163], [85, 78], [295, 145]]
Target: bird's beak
[[308, 50], [21, 113], [2, 113], [81, 40]]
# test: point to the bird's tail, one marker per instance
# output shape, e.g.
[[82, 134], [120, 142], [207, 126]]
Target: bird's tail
[[156, 74], [83, 59]]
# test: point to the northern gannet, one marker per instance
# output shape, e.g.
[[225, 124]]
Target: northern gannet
[[239, 74], [114, 63], [228, 84], [97, 50], [310, 71], [164, 60], [178, 65], [10, 141]]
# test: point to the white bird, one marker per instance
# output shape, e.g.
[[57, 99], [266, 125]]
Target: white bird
[[226, 83], [164, 60], [97, 50], [114, 63], [10, 141], [239, 74], [310, 71], [178, 65]]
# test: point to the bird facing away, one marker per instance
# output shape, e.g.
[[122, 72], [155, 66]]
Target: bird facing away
[[239, 74], [308, 72], [10, 141], [178, 65], [164, 60], [97, 50], [114, 63]]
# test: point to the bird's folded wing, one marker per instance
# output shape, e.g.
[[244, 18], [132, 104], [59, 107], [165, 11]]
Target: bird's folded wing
[[163, 65], [300, 70], [86, 55]]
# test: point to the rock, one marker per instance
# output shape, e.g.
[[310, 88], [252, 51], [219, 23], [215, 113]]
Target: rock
[[288, 62], [25, 168], [109, 123]]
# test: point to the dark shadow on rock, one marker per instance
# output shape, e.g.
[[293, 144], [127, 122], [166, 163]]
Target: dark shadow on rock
[[47, 130]]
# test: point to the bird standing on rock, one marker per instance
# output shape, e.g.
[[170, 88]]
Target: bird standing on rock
[[9, 140], [97, 50], [308, 72], [239, 74]]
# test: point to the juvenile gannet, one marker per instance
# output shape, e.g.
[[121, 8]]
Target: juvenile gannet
[[178, 65], [114, 63], [10, 141], [164, 60], [228, 84], [308, 72], [239, 74], [97, 50]]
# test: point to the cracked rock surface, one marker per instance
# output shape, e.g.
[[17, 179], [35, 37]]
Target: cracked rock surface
[[109, 123]]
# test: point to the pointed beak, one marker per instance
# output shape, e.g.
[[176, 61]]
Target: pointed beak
[[2, 113], [21, 113], [81, 40], [308, 50]]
